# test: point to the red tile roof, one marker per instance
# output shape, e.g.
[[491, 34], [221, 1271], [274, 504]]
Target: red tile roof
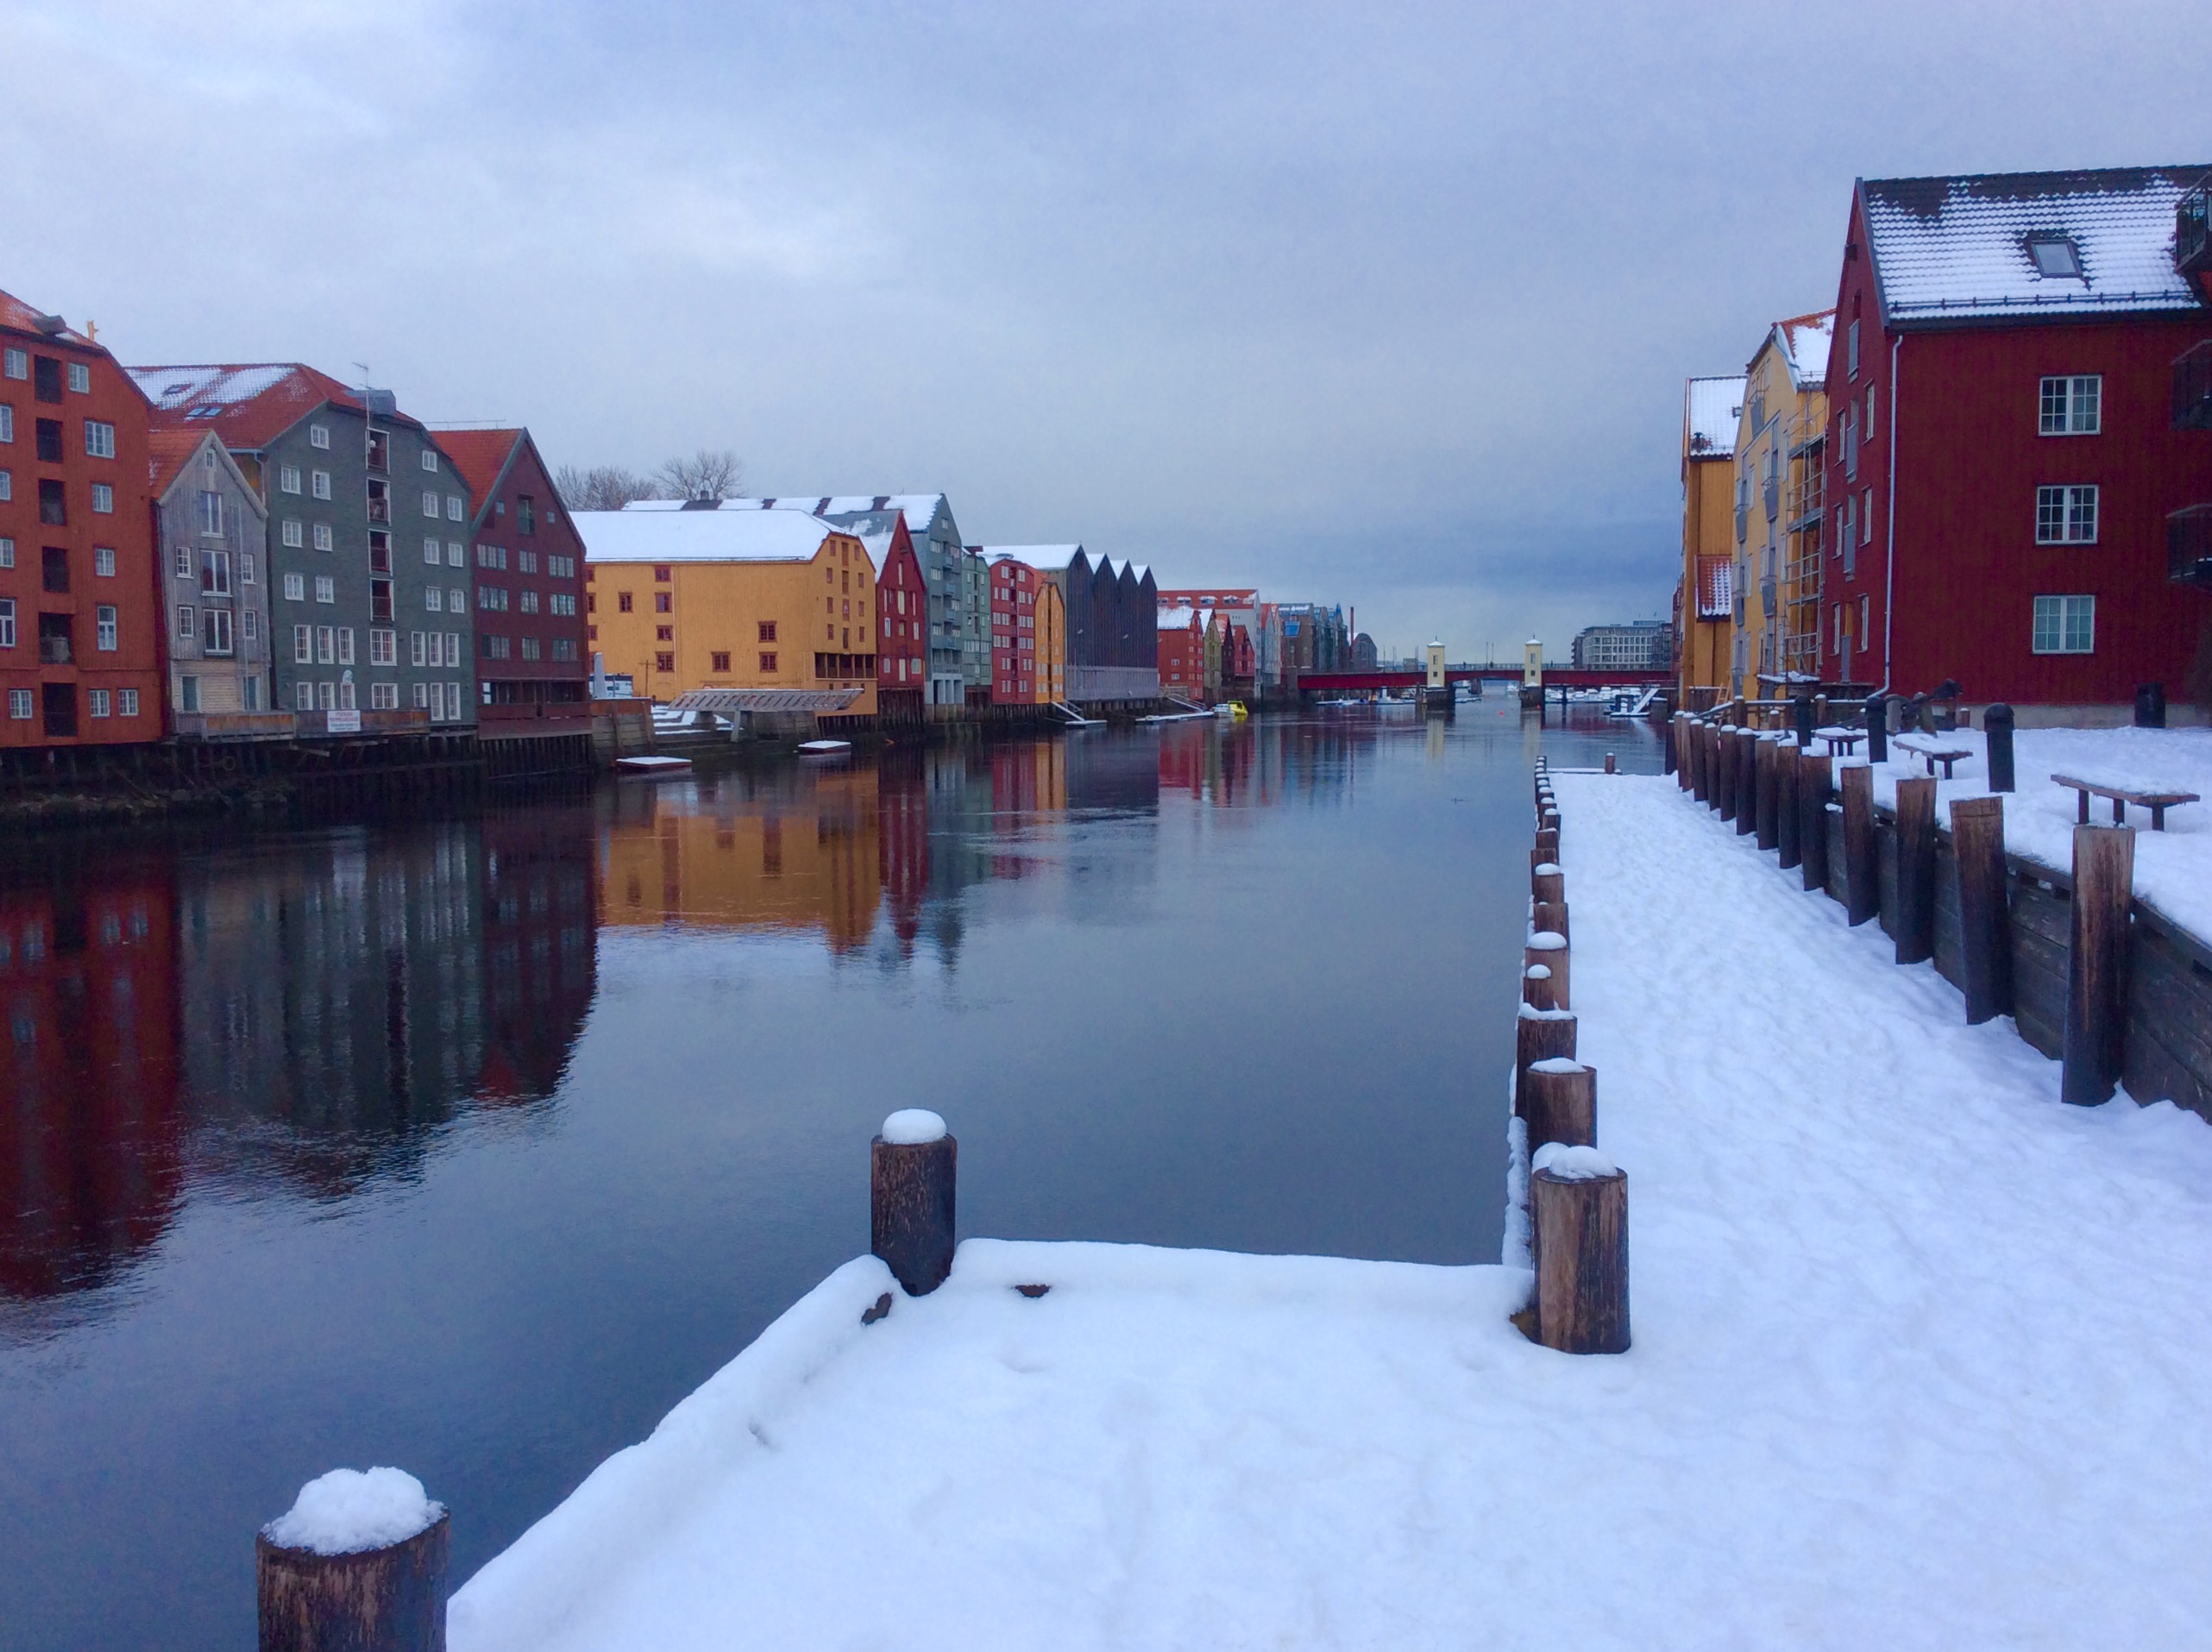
[[168, 449], [247, 405], [14, 313], [480, 456]]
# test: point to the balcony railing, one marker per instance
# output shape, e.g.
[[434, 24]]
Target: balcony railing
[[2189, 545], [1772, 494], [2192, 388], [2192, 232], [55, 650]]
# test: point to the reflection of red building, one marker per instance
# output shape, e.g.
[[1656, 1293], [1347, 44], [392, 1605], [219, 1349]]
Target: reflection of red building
[[92, 1127], [902, 843], [1182, 751], [902, 607], [540, 934]]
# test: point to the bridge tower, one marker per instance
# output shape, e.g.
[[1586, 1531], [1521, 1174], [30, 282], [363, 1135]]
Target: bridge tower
[[1436, 695], [1532, 673]]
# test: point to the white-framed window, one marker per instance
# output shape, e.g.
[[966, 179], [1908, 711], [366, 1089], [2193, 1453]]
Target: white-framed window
[[303, 697], [318, 435], [127, 702], [430, 459], [295, 587], [430, 502], [14, 364], [345, 645], [2064, 626], [1867, 424], [1851, 349], [453, 648], [528, 603], [104, 620], [99, 439], [103, 562], [103, 500], [346, 693], [250, 624], [210, 513], [564, 602], [7, 422], [288, 479], [326, 589], [19, 700], [7, 553], [1866, 518], [416, 654], [295, 533], [434, 598], [326, 696], [215, 632], [184, 562], [326, 644], [384, 696], [98, 702], [455, 505], [421, 696], [187, 623], [383, 647], [7, 622], [431, 553], [322, 536], [80, 378], [2065, 515], [457, 600], [453, 553], [214, 573], [318, 484], [7, 486], [245, 567], [303, 645], [2071, 405]]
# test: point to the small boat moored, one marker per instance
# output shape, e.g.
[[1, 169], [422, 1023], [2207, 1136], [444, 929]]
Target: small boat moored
[[824, 748], [651, 768]]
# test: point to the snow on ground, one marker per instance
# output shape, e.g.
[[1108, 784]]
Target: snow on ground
[[2173, 868], [1920, 1361]]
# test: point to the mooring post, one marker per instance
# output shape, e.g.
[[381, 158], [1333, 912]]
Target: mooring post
[[1578, 1226], [1546, 847], [357, 1564], [1861, 855], [1539, 1035], [1700, 760], [1723, 771], [1977, 842], [1548, 883], [1813, 786], [1916, 859], [2095, 1045], [1609, 763], [1562, 1103], [1682, 749], [1802, 705], [1551, 915], [913, 1166], [1787, 850], [1764, 754], [1747, 781], [1877, 727], [1548, 947], [1551, 823], [1997, 738], [1535, 986]]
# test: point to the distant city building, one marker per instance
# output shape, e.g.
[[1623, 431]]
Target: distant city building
[[1112, 615], [1705, 596], [1182, 633], [902, 607], [1639, 645], [210, 529], [1363, 652], [1013, 589]]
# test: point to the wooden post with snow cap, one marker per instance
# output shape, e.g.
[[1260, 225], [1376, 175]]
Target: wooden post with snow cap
[[1551, 915], [1985, 935], [1610, 769], [1548, 882], [1562, 1103], [1578, 1228], [1549, 948], [1916, 863], [1683, 749], [1813, 787], [912, 1166], [1743, 752], [1539, 1035], [1787, 853], [1764, 753], [1546, 847], [2095, 1043], [1535, 986], [1700, 760], [1724, 770], [1862, 857], [357, 1564]]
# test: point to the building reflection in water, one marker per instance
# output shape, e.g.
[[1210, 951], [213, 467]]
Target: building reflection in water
[[285, 1013]]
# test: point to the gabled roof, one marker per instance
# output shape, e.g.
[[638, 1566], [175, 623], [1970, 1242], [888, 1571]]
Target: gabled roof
[[1712, 409], [26, 318], [701, 536], [1049, 559], [171, 449], [1180, 618], [248, 406], [481, 458], [1948, 249], [1804, 341], [920, 509]]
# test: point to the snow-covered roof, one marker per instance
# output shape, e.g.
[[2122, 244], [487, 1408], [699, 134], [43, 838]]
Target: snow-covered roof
[[920, 509], [1050, 559], [1710, 411], [1185, 619], [1959, 249], [29, 318], [248, 405], [1804, 341], [677, 535]]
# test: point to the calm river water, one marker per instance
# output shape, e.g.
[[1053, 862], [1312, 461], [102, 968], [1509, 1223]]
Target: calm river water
[[474, 1145]]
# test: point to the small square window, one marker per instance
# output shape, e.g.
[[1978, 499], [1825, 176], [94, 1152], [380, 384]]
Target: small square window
[[319, 484], [2055, 256], [295, 587], [99, 439], [98, 697], [103, 563], [2072, 405], [430, 459], [2065, 515], [318, 435], [453, 554], [288, 479], [326, 589], [322, 536], [15, 364], [2064, 625], [454, 506], [103, 500], [660, 603], [80, 378], [127, 702]]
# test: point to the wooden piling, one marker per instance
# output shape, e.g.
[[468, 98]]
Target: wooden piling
[[1764, 754], [1997, 741], [1551, 915], [1724, 770], [1978, 841], [1536, 987], [1548, 883], [1539, 1035], [1609, 763], [911, 1187], [1812, 789], [1546, 847], [388, 1599], [2094, 1044], [1549, 948], [1916, 861], [1746, 754], [1578, 1224], [1861, 856], [1700, 760], [1681, 749], [1787, 851], [1562, 1103]]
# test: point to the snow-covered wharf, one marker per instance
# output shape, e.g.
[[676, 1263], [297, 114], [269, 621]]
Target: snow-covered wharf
[[1918, 1358]]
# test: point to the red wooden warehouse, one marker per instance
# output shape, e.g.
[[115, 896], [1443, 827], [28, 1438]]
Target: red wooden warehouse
[[2008, 452]]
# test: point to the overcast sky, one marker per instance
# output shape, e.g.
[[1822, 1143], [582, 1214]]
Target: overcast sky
[[1384, 306]]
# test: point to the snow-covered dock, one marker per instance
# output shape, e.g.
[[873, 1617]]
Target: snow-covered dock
[[1919, 1359]]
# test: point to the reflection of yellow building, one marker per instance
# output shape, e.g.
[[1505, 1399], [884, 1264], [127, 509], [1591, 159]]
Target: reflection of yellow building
[[810, 863], [706, 598], [1052, 643], [1779, 447], [1705, 598]]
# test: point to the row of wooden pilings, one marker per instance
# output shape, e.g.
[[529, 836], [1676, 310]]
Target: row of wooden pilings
[[1773, 786], [391, 1597], [1577, 1198]]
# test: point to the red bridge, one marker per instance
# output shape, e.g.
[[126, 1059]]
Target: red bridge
[[1555, 677]]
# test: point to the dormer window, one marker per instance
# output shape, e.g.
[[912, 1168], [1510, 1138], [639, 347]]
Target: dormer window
[[2056, 256]]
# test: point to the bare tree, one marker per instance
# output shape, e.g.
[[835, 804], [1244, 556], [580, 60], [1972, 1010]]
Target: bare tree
[[707, 474], [602, 487]]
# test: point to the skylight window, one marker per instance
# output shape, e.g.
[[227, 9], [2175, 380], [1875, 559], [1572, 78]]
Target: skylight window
[[2056, 256]]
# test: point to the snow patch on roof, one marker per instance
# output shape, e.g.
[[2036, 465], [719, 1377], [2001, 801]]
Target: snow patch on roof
[[681, 535], [920, 509], [1804, 341], [1710, 411]]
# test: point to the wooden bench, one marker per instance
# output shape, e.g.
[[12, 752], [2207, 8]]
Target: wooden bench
[[2121, 796], [1845, 739], [1921, 746]]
